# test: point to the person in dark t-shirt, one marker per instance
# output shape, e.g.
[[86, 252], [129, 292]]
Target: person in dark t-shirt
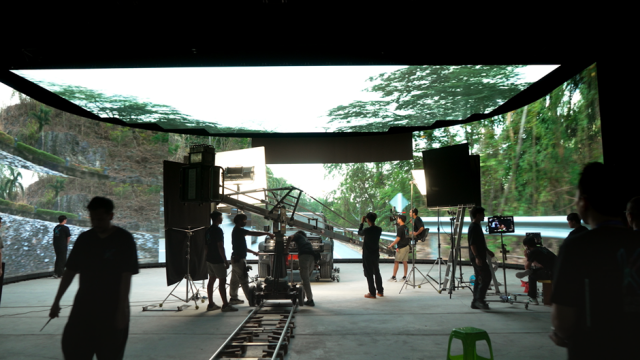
[[574, 222], [306, 261], [402, 252], [418, 225], [539, 265], [596, 309], [371, 255], [105, 257], [61, 238], [217, 263], [478, 252], [239, 258]]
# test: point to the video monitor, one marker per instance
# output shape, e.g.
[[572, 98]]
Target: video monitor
[[501, 224]]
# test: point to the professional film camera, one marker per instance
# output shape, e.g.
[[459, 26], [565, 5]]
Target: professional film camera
[[394, 215]]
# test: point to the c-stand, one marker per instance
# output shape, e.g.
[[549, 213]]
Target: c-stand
[[506, 298], [438, 260], [190, 284], [408, 282]]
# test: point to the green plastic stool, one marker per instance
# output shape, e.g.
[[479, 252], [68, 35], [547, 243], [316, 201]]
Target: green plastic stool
[[469, 336]]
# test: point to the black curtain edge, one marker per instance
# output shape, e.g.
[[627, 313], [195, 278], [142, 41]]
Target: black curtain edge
[[534, 92]]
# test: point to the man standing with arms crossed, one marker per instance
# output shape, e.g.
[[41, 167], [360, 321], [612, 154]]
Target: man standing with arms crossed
[[371, 255], [217, 263], [239, 258], [61, 238], [478, 252], [402, 252]]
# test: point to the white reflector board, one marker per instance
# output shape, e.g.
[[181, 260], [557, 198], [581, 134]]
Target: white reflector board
[[253, 157], [421, 181]]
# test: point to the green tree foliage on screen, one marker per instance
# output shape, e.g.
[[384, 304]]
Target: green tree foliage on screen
[[10, 183], [43, 117], [530, 158], [57, 187], [132, 110], [420, 95]]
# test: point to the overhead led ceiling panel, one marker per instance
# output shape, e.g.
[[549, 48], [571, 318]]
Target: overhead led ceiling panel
[[296, 99]]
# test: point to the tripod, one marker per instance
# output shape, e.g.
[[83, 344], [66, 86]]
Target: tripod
[[438, 260], [410, 282], [190, 284]]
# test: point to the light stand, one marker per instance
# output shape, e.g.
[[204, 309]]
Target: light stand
[[506, 298], [438, 260], [504, 252], [408, 282], [190, 284]]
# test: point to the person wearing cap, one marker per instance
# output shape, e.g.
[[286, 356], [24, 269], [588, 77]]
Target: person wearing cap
[[539, 265]]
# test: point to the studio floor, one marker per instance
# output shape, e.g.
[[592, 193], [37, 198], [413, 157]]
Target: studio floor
[[413, 324]]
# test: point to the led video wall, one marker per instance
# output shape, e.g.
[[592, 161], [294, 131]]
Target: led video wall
[[52, 163]]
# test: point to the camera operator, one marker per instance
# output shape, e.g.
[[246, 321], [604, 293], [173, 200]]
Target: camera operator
[[538, 266], [402, 252], [418, 225], [371, 255], [478, 252], [306, 260]]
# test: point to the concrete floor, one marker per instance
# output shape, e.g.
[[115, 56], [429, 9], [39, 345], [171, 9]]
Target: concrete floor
[[343, 325]]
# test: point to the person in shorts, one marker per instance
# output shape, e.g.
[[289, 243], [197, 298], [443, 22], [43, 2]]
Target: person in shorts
[[217, 264], [403, 248]]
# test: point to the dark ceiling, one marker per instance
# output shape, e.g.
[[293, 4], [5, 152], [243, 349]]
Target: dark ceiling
[[256, 33]]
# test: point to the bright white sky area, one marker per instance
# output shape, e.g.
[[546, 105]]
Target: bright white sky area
[[271, 98], [282, 99]]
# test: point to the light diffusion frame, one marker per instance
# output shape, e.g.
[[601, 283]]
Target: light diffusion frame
[[253, 157]]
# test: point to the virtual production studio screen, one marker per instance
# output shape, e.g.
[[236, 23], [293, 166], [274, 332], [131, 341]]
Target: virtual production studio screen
[[52, 162]]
